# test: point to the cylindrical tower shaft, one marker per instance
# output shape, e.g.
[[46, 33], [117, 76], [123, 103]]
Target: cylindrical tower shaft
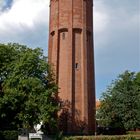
[[71, 54]]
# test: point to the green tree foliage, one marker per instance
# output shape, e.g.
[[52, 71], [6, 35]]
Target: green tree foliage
[[120, 104], [27, 88]]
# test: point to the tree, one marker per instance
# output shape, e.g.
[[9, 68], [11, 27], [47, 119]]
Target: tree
[[120, 103], [27, 88]]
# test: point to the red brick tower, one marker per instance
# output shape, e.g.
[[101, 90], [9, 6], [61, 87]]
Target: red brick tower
[[71, 53]]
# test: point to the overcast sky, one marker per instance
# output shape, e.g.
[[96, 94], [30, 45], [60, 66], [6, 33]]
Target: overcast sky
[[116, 33]]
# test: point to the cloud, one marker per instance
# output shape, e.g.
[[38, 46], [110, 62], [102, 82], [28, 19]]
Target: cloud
[[24, 17], [25, 13], [101, 17]]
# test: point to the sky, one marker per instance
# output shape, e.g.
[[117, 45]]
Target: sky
[[116, 33]]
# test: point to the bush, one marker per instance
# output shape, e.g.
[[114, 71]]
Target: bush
[[8, 135]]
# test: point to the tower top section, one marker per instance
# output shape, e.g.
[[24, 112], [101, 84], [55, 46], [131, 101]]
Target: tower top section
[[66, 14]]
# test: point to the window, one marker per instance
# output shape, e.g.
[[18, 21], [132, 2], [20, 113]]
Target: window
[[76, 65]]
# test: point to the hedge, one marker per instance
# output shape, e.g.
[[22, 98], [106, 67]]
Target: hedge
[[103, 138], [8, 135], [134, 132]]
